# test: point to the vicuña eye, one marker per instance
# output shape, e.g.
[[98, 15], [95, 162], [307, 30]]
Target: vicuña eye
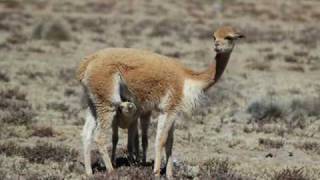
[[214, 38]]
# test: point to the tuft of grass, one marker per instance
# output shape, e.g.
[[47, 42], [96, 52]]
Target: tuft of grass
[[126, 173], [271, 143], [293, 114], [310, 146], [260, 66], [290, 174], [54, 30], [15, 107], [264, 111], [12, 4], [39, 176]]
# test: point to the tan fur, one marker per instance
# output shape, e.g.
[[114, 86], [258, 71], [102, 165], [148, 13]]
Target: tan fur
[[151, 77]]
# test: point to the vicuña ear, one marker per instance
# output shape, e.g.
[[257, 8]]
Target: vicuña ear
[[238, 35]]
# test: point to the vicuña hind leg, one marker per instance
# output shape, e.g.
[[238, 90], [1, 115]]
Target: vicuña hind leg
[[105, 117], [87, 133]]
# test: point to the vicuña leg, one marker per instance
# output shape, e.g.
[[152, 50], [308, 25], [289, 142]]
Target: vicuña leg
[[144, 123], [87, 133], [115, 138], [169, 144], [165, 123], [132, 141], [105, 117]]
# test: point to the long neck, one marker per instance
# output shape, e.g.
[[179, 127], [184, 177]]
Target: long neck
[[211, 75]]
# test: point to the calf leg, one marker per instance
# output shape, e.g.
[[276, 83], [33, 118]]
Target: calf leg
[[132, 140], [115, 139], [144, 123]]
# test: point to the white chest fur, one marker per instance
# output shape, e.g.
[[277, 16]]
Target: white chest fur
[[192, 94]]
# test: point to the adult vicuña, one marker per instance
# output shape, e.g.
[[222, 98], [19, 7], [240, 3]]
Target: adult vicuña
[[160, 84], [126, 117]]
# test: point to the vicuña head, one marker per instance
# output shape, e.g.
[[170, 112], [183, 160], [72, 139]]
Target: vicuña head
[[159, 83], [224, 39]]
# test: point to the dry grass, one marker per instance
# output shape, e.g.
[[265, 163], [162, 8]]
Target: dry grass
[[15, 107], [54, 30], [260, 66], [42, 42], [40, 153], [126, 173], [265, 111], [4, 77], [290, 174], [220, 169], [309, 146], [292, 114]]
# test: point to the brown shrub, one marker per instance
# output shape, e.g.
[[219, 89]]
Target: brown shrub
[[9, 148], [43, 131], [4, 77], [290, 59], [290, 174], [12, 4], [271, 143]]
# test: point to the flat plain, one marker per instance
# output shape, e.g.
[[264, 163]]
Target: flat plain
[[261, 121]]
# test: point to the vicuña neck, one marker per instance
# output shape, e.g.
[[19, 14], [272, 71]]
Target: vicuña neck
[[211, 75]]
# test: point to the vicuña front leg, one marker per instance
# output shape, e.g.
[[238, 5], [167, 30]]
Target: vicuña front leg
[[105, 117], [165, 123]]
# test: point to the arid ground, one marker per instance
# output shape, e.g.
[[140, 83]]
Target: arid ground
[[261, 121]]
